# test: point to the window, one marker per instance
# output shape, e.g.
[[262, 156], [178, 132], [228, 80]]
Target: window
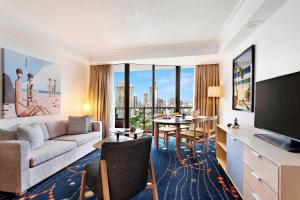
[[119, 83], [141, 96], [165, 89], [152, 90], [186, 89]]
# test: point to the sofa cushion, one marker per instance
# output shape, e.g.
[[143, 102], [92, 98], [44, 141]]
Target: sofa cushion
[[49, 150], [31, 133], [57, 128], [78, 124], [80, 139]]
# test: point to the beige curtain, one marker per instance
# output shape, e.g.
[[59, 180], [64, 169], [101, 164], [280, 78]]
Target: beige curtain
[[99, 94], [205, 76]]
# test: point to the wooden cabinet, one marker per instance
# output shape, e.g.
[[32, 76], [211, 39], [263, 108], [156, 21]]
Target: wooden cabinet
[[255, 187], [221, 148], [259, 170], [235, 161], [262, 168]]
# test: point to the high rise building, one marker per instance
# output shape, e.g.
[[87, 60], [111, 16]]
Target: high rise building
[[172, 101], [156, 95], [131, 101], [146, 99], [120, 96], [135, 101]]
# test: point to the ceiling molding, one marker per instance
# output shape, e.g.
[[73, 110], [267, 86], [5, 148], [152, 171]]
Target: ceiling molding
[[21, 26], [231, 17], [245, 19], [165, 51]]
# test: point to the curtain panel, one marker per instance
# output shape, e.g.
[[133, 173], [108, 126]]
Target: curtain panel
[[205, 76], [100, 95]]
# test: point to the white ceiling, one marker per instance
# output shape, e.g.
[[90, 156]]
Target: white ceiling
[[109, 25]]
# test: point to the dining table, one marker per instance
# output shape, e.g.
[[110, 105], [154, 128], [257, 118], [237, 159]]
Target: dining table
[[176, 122]]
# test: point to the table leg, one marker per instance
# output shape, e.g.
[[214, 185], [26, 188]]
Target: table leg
[[156, 126], [178, 141]]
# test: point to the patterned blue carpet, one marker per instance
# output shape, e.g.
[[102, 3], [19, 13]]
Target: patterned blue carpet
[[200, 178]]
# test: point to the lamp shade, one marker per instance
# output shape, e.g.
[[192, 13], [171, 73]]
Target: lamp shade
[[215, 91]]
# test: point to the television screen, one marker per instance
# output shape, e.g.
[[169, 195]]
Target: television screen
[[277, 106]]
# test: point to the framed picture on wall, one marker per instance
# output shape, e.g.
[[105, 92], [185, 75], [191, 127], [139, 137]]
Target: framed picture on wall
[[31, 86], [243, 81]]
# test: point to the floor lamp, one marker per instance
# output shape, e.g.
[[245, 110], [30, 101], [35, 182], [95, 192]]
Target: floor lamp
[[215, 92]]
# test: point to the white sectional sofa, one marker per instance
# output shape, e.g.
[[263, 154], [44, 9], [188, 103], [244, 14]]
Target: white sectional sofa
[[21, 169]]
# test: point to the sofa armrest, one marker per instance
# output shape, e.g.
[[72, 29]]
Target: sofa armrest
[[14, 166], [97, 126]]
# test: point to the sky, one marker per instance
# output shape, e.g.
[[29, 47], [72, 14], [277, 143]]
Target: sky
[[142, 80]]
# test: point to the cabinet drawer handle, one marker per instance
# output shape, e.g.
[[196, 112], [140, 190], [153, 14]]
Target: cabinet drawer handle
[[256, 154], [255, 196], [258, 178], [233, 138]]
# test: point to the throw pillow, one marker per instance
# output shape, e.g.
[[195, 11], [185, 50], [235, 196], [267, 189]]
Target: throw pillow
[[90, 123], [44, 129], [78, 125], [33, 134]]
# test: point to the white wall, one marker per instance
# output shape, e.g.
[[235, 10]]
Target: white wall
[[277, 53], [74, 77]]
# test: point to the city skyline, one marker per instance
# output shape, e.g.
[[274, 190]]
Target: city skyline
[[141, 87]]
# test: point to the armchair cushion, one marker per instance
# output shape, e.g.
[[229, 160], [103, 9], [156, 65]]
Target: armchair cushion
[[50, 149]]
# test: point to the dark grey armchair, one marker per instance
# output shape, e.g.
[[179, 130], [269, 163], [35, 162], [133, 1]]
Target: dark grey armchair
[[122, 172]]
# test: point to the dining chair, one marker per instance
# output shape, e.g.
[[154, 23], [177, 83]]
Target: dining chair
[[211, 126], [194, 137], [122, 172], [167, 131]]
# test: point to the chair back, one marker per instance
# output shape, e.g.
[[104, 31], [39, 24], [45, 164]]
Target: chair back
[[165, 115], [199, 122], [119, 123], [127, 166], [212, 122], [196, 113]]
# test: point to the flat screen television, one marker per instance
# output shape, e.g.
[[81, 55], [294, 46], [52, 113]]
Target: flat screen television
[[277, 109]]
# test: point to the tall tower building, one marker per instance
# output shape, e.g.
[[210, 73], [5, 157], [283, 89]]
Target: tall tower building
[[131, 100], [146, 99], [156, 97], [135, 101], [172, 101], [120, 96]]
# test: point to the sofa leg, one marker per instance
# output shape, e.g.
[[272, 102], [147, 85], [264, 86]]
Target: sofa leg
[[21, 194]]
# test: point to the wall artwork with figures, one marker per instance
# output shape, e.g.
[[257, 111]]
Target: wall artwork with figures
[[31, 86], [243, 80]]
